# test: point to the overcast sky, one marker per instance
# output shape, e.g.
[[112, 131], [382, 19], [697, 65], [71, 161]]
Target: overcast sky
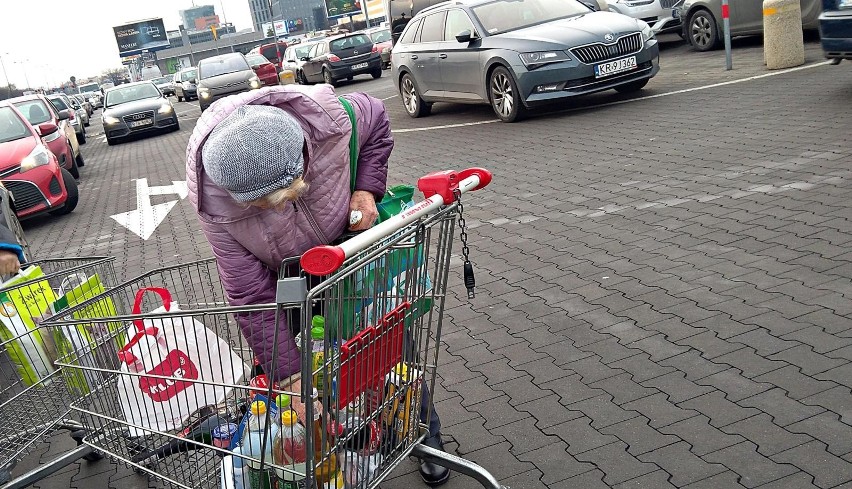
[[55, 39]]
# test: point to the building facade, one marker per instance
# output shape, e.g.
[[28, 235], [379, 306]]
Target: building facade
[[260, 13], [188, 16]]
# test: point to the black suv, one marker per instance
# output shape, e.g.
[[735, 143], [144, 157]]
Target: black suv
[[344, 57]]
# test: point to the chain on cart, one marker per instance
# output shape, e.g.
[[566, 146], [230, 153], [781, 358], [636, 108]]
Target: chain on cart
[[329, 395], [34, 401]]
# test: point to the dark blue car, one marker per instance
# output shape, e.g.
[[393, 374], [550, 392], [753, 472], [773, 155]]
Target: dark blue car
[[835, 27]]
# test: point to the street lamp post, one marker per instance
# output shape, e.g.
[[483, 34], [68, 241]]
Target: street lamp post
[[5, 75], [225, 18], [24, 68]]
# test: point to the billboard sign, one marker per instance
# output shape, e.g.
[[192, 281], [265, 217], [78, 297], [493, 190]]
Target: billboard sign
[[340, 8], [147, 35], [295, 25], [280, 28]]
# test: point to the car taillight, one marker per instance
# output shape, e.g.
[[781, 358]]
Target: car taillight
[[375, 49], [333, 57]]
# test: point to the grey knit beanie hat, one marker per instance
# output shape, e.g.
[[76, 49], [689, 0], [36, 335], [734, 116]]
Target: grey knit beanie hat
[[254, 151]]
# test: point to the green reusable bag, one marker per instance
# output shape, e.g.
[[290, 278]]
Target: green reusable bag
[[367, 295]]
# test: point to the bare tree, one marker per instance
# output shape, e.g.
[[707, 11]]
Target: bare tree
[[115, 75]]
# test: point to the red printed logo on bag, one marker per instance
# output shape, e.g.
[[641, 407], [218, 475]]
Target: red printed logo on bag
[[176, 364]]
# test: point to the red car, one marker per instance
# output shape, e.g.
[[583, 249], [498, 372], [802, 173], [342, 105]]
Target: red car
[[29, 169], [63, 143], [263, 69], [271, 53], [382, 43]]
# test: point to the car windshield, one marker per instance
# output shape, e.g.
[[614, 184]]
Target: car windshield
[[163, 80], [380, 36], [35, 111], [188, 75], [256, 59], [509, 15], [131, 93], [349, 42], [11, 127], [222, 66], [58, 103], [89, 88]]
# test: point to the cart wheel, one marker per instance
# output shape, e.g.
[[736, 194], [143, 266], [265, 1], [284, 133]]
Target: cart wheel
[[78, 437], [6, 472]]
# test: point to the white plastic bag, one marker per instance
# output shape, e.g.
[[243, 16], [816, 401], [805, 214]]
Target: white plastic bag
[[186, 357]]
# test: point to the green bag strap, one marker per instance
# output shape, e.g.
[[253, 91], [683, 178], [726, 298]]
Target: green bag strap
[[353, 142]]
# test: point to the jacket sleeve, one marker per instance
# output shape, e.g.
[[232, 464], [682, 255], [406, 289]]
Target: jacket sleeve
[[249, 281], [375, 143], [8, 240]]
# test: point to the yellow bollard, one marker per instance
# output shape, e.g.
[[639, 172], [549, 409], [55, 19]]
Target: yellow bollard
[[783, 44], [287, 77]]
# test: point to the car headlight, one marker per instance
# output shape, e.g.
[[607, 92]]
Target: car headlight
[[165, 109], [39, 156], [254, 82], [534, 60], [108, 119], [647, 33], [204, 92]]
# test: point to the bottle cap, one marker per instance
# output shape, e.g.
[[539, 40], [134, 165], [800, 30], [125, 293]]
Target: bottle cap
[[318, 322], [258, 408], [224, 431], [288, 418], [317, 332], [283, 401]]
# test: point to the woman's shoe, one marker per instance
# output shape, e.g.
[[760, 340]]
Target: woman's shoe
[[434, 475]]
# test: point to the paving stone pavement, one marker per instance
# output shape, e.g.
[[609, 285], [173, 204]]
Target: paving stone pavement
[[663, 287]]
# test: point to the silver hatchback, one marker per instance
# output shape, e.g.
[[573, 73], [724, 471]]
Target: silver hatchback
[[224, 75]]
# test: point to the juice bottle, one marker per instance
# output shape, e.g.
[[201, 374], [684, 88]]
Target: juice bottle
[[318, 351], [289, 451], [328, 471]]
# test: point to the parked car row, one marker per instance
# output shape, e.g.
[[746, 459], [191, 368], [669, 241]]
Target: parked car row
[[40, 155]]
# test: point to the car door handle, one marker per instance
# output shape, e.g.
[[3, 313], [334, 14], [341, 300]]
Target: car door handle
[[442, 56], [413, 56]]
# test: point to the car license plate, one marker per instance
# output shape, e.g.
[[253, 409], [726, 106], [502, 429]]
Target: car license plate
[[143, 122], [617, 66], [359, 66]]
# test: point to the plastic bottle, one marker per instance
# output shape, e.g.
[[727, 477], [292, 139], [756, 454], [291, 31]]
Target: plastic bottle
[[318, 350], [328, 471], [289, 451], [239, 468], [259, 478]]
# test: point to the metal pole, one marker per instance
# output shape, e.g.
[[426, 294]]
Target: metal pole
[[366, 9], [5, 75], [225, 18], [726, 22]]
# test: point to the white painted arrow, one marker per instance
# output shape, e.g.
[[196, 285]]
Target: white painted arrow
[[143, 220]]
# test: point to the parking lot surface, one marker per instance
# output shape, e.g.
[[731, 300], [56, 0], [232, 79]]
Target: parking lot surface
[[663, 285]]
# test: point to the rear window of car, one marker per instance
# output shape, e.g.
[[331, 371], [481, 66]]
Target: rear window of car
[[214, 67], [256, 59], [509, 15], [11, 127], [349, 42], [380, 36], [433, 28], [58, 103], [408, 36], [187, 75], [161, 80], [271, 54], [35, 111]]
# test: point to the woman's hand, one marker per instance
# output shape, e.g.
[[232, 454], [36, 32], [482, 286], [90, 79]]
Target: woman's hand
[[365, 203], [9, 263]]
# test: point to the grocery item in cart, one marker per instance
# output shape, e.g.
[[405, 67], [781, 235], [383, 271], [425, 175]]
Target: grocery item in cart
[[289, 451], [187, 367], [318, 351], [359, 469], [327, 471], [21, 309], [260, 476], [403, 384]]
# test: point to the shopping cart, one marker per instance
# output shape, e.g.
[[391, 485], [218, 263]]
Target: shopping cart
[[33, 400], [377, 301]]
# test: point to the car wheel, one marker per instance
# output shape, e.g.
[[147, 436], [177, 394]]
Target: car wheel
[[110, 141], [377, 73], [414, 105], [504, 95], [81, 138], [326, 76], [703, 33], [302, 78], [633, 86], [180, 99], [86, 124], [72, 194], [79, 160]]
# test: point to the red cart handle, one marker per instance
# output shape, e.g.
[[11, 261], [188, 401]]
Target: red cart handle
[[124, 353], [439, 188]]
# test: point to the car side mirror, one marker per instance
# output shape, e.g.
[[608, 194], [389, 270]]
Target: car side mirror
[[305, 58], [591, 4], [193, 81], [64, 115], [464, 36], [46, 128]]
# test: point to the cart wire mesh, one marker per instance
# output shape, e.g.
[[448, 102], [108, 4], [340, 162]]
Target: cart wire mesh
[[382, 314], [33, 399]]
